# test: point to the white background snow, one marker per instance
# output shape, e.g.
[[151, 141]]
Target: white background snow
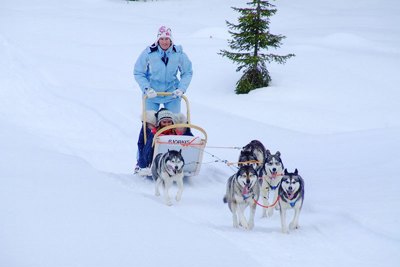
[[70, 115]]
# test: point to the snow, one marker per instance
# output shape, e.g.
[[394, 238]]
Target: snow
[[70, 115]]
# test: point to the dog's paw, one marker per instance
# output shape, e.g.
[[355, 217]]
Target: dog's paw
[[168, 201], [285, 231], [264, 214], [244, 224], [156, 191], [251, 226], [293, 226]]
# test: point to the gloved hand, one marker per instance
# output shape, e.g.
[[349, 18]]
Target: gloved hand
[[178, 93], [150, 93]]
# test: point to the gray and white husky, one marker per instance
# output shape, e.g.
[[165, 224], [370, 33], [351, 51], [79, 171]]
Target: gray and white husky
[[253, 150], [248, 158], [271, 174], [166, 169], [242, 189], [291, 196]]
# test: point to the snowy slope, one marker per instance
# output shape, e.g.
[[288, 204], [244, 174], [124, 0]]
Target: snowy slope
[[69, 116]]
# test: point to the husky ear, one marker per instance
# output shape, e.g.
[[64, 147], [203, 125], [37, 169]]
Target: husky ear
[[168, 149], [180, 151], [286, 173], [278, 153], [296, 172], [267, 152]]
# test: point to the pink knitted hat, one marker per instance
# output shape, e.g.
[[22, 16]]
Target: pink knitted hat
[[164, 32]]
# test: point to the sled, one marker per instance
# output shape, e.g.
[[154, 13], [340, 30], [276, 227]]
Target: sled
[[191, 147]]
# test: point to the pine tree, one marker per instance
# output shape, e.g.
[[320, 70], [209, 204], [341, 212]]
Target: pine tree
[[250, 37]]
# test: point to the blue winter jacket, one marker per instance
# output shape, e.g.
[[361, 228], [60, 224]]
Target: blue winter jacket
[[151, 72]]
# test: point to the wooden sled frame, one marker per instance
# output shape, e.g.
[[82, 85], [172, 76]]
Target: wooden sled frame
[[192, 146]]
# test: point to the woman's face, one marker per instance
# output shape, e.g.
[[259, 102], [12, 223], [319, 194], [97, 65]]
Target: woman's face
[[165, 122], [164, 43]]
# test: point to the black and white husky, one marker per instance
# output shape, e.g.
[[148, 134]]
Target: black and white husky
[[291, 196], [242, 189], [271, 174], [253, 151], [166, 169]]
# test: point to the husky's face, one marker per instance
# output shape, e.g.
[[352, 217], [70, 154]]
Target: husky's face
[[247, 176], [291, 183], [273, 164], [174, 161]]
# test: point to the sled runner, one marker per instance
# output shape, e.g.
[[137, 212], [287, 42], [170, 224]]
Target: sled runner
[[191, 147]]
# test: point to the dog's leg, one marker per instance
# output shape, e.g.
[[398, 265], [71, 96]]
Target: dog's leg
[[252, 214], [271, 209], [234, 215], [264, 195], [242, 217], [295, 223], [167, 185], [179, 182], [277, 203], [283, 219], [157, 187]]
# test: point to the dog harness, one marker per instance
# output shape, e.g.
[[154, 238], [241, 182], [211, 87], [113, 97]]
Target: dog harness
[[274, 187], [294, 202]]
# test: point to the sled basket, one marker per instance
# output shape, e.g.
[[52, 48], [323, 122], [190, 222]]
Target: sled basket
[[191, 147]]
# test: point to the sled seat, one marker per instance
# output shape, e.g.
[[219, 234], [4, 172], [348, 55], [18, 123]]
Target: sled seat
[[191, 147]]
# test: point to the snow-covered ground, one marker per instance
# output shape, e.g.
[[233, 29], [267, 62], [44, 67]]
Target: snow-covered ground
[[70, 116]]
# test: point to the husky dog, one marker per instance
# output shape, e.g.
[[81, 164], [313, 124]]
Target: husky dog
[[291, 196], [271, 174], [255, 148], [242, 189], [166, 169], [246, 157]]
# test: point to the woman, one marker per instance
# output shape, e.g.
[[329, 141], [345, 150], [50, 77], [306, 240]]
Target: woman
[[157, 68]]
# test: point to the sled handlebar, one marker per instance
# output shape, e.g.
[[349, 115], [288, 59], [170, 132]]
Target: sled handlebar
[[161, 94]]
